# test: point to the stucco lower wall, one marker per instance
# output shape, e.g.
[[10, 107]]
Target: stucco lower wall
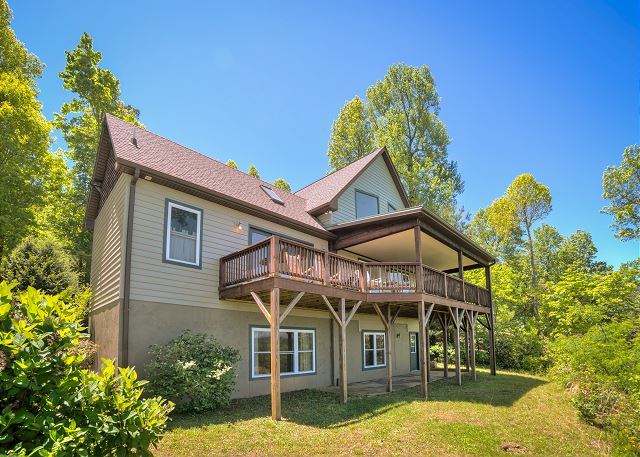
[[104, 327], [157, 323]]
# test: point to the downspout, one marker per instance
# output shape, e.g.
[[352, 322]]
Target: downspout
[[124, 359]]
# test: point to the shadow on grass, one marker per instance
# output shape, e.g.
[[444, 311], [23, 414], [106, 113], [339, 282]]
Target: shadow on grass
[[324, 410]]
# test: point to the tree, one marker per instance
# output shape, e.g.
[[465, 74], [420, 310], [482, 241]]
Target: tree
[[24, 137], [282, 184], [232, 164], [351, 135], [253, 171], [621, 186], [401, 112], [524, 203], [97, 91], [40, 263]]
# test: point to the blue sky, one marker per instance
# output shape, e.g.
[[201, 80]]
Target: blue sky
[[550, 88]]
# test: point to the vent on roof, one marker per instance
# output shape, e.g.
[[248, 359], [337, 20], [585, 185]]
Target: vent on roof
[[272, 195]]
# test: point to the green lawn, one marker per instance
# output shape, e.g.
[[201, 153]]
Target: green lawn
[[511, 413]]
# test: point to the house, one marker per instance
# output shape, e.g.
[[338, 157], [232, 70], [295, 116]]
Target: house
[[345, 271]]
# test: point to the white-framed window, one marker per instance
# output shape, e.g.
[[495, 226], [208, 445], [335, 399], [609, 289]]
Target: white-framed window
[[183, 226], [373, 348], [413, 343], [297, 351]]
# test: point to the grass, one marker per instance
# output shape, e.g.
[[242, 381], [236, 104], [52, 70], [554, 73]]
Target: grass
[[510, 413]]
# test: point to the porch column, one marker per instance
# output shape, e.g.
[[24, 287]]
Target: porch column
[[444, 322], [386, 322], [472, 318], [491, 319], [418, 244], [423, 350], [428, 348], [343, 353], [456, 314], [275, 353], [465, 323]]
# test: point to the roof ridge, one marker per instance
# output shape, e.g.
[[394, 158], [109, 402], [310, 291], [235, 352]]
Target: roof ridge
[[203, 155], [376, 151]]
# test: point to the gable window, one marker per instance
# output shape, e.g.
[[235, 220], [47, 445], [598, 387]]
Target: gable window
[[373, 353], [366, 204], [183, 230], [297, 351], [390, 208]]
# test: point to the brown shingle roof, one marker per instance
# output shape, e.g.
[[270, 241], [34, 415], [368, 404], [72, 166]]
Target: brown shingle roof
[[323, 194], [157, 155]]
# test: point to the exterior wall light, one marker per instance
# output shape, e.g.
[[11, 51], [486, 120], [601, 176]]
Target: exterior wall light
[[238, 227]]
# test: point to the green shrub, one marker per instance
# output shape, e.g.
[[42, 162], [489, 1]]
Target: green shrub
[[41, 263], [603, 369], [50, 404], [194, 371]]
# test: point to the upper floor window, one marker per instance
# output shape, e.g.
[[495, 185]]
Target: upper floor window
[[366, 204], [183, 235], [256, 235]]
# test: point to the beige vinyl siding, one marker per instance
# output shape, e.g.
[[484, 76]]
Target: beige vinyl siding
[[107, 263], [375, 180], [156, 281]]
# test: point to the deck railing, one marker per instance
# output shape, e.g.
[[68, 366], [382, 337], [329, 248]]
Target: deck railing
[[285, 258]]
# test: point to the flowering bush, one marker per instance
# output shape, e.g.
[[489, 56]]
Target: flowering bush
[[50, 404], [194, 371]]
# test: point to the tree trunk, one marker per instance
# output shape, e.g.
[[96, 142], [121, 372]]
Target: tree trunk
[[534, 280]]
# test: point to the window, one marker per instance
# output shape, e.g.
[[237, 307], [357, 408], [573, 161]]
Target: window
[[390, 208], [272, 195], [366, 204], [413, 343], [256, 234], [297, 351], [183, 234], [373, 349]]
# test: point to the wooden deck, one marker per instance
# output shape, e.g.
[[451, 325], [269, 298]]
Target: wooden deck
[[294, 267]]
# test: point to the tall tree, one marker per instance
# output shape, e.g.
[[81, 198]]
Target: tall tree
[[525, 203], [351, 134], [282, 184], [253, 171], [97, 91], [401, 112], [24, 136], [621, 186]]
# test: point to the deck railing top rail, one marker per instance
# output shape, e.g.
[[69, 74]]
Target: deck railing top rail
[[277, 256]]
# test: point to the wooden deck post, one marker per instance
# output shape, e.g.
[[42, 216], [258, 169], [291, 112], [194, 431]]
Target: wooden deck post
[[428, 348], [343, 354], [491, 321], [418, 245], [389, 350], [465, 323], [457, 317], [423, 350], [275, 353], [472, 318], [444, 322]]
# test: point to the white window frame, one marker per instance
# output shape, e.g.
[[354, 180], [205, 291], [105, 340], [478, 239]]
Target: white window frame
[[413, 343], [295, 352], [374, 349], [198, 213]]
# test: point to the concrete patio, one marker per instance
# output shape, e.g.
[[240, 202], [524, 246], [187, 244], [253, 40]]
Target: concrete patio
[[378, 386]]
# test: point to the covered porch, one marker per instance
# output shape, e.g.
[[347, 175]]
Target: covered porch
[[391, 266]]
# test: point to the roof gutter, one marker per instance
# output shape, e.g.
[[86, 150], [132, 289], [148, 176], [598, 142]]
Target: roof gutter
[[124, 328]]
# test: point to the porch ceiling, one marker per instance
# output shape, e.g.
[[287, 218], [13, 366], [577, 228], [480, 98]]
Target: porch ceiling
[[400, 247]]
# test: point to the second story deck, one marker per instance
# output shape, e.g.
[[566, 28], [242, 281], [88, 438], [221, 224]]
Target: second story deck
[[334, 275]]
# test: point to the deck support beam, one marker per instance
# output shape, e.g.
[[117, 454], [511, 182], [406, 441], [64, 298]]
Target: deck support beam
[[472, 318], [491, 320], [457, 315], [342, 319], [386, 322], [444, 322], [465, 324], [275, 354], [424, 316]]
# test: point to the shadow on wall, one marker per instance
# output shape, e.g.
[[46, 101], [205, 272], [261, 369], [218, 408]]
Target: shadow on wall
[[323, 410]]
